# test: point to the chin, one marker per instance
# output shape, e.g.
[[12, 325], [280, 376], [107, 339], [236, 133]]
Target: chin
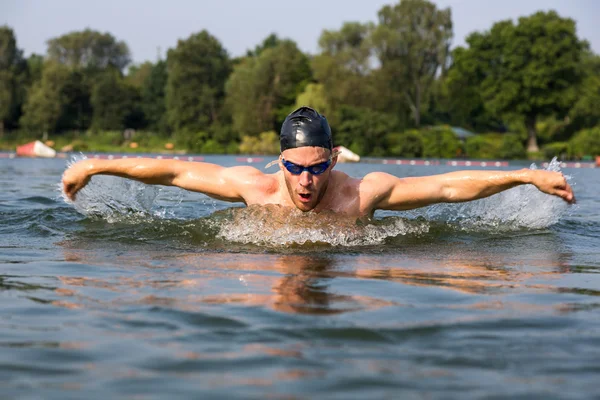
[[305, 207]]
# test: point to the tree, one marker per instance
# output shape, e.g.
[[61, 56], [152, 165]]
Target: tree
[[153, 97], [137, 74], [197, 70], [314, 96], [412, 42], [12, 68], [270, 41], [343, 67], [530, 70], [262, 90], [363, 130], [89, 49], [585, 113], [113, 101], [46, 100]]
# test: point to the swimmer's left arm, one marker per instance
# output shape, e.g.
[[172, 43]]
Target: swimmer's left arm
[[392, 193]]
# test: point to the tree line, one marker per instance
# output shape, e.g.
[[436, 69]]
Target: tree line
[[392, 87]]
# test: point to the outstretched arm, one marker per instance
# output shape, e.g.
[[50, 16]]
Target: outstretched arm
[[392, 193], [215, 181]]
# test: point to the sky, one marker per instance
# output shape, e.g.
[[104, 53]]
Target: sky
[[151, 27]]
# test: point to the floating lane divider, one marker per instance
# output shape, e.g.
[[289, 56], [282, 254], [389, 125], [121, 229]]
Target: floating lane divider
[[451, 163], [157, 156], [468, 163], [411, 162], [250, 160], [574, 165]]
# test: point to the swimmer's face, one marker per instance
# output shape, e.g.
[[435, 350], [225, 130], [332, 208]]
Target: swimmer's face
[[306, 190]]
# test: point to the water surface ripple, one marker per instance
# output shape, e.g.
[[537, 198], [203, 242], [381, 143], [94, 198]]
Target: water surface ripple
[[150, 292]]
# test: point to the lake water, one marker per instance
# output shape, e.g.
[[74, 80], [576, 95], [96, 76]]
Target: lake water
[[147, 292]]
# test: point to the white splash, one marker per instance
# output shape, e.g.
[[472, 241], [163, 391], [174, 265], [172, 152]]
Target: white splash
[[274, 225], [112, 198], [517, 208], [116, 199]]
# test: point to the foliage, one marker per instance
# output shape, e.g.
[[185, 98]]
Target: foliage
[[487, 146], [114, 102], [374, 81], [46, 100], [12, 69], [585, 111], [512, 147], [530, 69], [343, 68], [262, 90], [440, 142], [556, 149], [406, 144], [362, 130], [197, 70], [153, 97], [412, 43], [585, 143], [265, 143], [89, 49], [314, 96]]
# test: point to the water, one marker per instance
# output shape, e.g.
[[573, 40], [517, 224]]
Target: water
[[146, 292]]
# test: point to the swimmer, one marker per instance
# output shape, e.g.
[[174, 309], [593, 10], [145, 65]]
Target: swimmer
[[306, 179]]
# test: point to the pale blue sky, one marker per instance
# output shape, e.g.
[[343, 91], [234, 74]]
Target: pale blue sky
[[149, 25]]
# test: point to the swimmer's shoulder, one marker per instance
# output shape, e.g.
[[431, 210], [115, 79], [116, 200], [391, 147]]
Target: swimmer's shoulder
[[252, 179]]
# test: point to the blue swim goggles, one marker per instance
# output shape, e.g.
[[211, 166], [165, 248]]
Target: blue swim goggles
[[296, 169]]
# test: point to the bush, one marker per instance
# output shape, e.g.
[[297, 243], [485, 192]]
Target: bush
[[440, 142], [585, 143], [487, 146], [558, 149], [512, 147], [212, 147], [408, 144], [265, 143]]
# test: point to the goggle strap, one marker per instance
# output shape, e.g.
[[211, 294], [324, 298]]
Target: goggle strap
[[269, 165], [334, 154]]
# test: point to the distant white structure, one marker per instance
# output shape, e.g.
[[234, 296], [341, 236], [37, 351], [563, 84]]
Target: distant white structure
[[346, 155]]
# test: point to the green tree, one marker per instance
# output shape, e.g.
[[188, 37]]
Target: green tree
[[46, 100], [113, 101], [363, 130], [268, 43], [262, 90], [530, 69], [197, 70], [461, 98], [12, 68], [343, 67], [314, 96], [89, 49], [153, 97], [138, 73], [586, 112], [412, 42]]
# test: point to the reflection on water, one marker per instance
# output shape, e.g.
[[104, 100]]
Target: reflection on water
[[317, 283]]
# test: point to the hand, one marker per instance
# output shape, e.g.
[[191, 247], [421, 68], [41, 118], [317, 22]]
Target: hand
[[76, 177], [553, 183]]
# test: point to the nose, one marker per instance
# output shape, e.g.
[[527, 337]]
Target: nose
[[305, 179]]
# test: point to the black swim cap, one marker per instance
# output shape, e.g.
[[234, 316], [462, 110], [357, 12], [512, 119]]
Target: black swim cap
[[305, 127]]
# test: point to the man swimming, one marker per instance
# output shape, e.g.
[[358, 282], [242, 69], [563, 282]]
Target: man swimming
[[306, 179]]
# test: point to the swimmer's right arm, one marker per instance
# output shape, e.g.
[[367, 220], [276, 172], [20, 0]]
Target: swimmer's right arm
[[211, 179]]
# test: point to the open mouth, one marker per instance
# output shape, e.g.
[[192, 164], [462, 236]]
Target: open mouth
[[304, 196]]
